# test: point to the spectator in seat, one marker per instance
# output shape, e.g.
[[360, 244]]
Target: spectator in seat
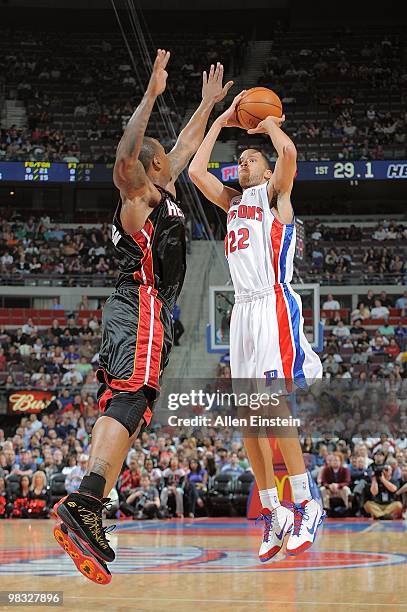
[[72, 463], [335, 481], [21, 498], [233, 466], [154, 473], [382, 502], [369, 299], [359, 356], [26, 465], [386, 329], [392, 349], [385, 300], [357, 330], [74, 478], [174, 477], [330, 303], [401, 302], [4, 498], [360, 313], [382, 447], [197, 479], [400, 333], [379, 311], [341, 331], [29, 328], [402, 491], [360, 480], [56, 304], [39, 498], [143, 502], [130, 479]]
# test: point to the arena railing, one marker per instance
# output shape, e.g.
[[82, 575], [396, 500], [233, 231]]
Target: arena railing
[[105, 280]]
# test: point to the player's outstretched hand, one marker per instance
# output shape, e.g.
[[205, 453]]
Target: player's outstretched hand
[[228, 118], [212, 88], [158, 79], [263, 126]]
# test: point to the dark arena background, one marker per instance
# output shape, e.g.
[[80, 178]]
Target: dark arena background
[[71, 76]]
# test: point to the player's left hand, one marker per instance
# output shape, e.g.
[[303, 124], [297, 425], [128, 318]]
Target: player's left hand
[[264, 125], [212, 88]]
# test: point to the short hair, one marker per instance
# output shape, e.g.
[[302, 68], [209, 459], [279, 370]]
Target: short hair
[[148, 149], [263, 154]]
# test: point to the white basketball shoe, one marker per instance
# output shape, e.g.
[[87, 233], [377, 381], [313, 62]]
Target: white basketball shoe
[[308, 516], [277, 523]]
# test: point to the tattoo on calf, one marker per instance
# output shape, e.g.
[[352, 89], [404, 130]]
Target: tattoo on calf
[[98, 466]]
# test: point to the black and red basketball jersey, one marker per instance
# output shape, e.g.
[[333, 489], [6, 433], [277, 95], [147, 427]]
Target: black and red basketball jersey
[[155, 255]]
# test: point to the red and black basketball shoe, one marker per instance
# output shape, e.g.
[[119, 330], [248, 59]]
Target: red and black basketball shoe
[[86, 562], [80, 532]]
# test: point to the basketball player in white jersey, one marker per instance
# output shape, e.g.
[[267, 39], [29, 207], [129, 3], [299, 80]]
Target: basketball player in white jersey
[[267, 339]]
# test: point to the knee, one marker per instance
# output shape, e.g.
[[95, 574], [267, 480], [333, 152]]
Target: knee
[[132, 410]]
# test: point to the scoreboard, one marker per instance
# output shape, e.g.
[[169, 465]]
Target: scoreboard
[[328, 171], [53, 172], [72, 172]]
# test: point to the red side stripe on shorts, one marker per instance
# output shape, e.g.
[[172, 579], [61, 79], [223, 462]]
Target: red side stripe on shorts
[[147, 416], [154, 366], [150, 336], [284, 334], [104, 398], [143, 238], [276, 236]]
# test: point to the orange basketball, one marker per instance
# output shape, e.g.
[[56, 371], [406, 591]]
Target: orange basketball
[[257, 104]]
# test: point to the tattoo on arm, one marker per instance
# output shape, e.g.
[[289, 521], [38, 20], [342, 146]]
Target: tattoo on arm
[[98, 466], [179, 158]]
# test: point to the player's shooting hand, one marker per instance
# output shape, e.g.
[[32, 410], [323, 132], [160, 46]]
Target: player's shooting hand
[[264, 126], [158, 79], [212, 88], [228, 118]]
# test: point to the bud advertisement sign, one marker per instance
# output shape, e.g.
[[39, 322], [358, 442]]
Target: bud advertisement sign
[[28, 401]]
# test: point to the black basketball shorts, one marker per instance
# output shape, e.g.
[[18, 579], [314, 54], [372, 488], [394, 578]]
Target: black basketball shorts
[[137, 337]]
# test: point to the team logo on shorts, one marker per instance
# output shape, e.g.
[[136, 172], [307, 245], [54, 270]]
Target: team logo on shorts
[[270, 375]]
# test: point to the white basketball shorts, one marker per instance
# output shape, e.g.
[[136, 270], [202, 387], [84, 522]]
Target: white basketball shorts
[[267, 339]]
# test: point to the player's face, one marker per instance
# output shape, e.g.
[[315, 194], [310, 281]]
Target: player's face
[[252, 169], [162, 159]]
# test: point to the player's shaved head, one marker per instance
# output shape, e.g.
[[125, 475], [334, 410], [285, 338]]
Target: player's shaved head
[[149, 148], [262, 153]]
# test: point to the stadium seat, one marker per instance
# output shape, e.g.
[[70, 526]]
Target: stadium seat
[[243, 487], [220, 495], [57, 487], [13, 484]]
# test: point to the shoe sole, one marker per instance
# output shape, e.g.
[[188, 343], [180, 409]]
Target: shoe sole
[[67, 519], [87, 564], [274, 551], [54, 510], [306, 545]]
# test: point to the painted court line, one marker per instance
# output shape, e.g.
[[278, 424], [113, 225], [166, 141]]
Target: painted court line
[[246, 601]]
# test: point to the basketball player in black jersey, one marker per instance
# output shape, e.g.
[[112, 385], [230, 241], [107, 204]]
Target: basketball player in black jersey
[[149, 238]]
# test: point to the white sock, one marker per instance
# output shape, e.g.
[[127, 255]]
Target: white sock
[[269, 498], [300, 488]]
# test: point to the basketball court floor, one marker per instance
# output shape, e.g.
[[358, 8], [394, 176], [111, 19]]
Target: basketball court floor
[[211, 564]]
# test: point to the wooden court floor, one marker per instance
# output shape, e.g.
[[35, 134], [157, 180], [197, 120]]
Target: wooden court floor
[[211, 564]]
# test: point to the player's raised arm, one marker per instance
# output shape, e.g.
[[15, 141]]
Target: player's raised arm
[[129, 174], [285, 168], [211, 187], [192, 135]]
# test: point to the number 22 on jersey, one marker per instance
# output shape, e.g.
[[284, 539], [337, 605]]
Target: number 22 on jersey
[[237, 242]]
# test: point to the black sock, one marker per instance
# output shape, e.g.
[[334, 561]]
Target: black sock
[[94, 484]]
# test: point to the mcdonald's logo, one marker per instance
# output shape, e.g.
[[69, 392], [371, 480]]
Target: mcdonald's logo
[[283, 487]]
